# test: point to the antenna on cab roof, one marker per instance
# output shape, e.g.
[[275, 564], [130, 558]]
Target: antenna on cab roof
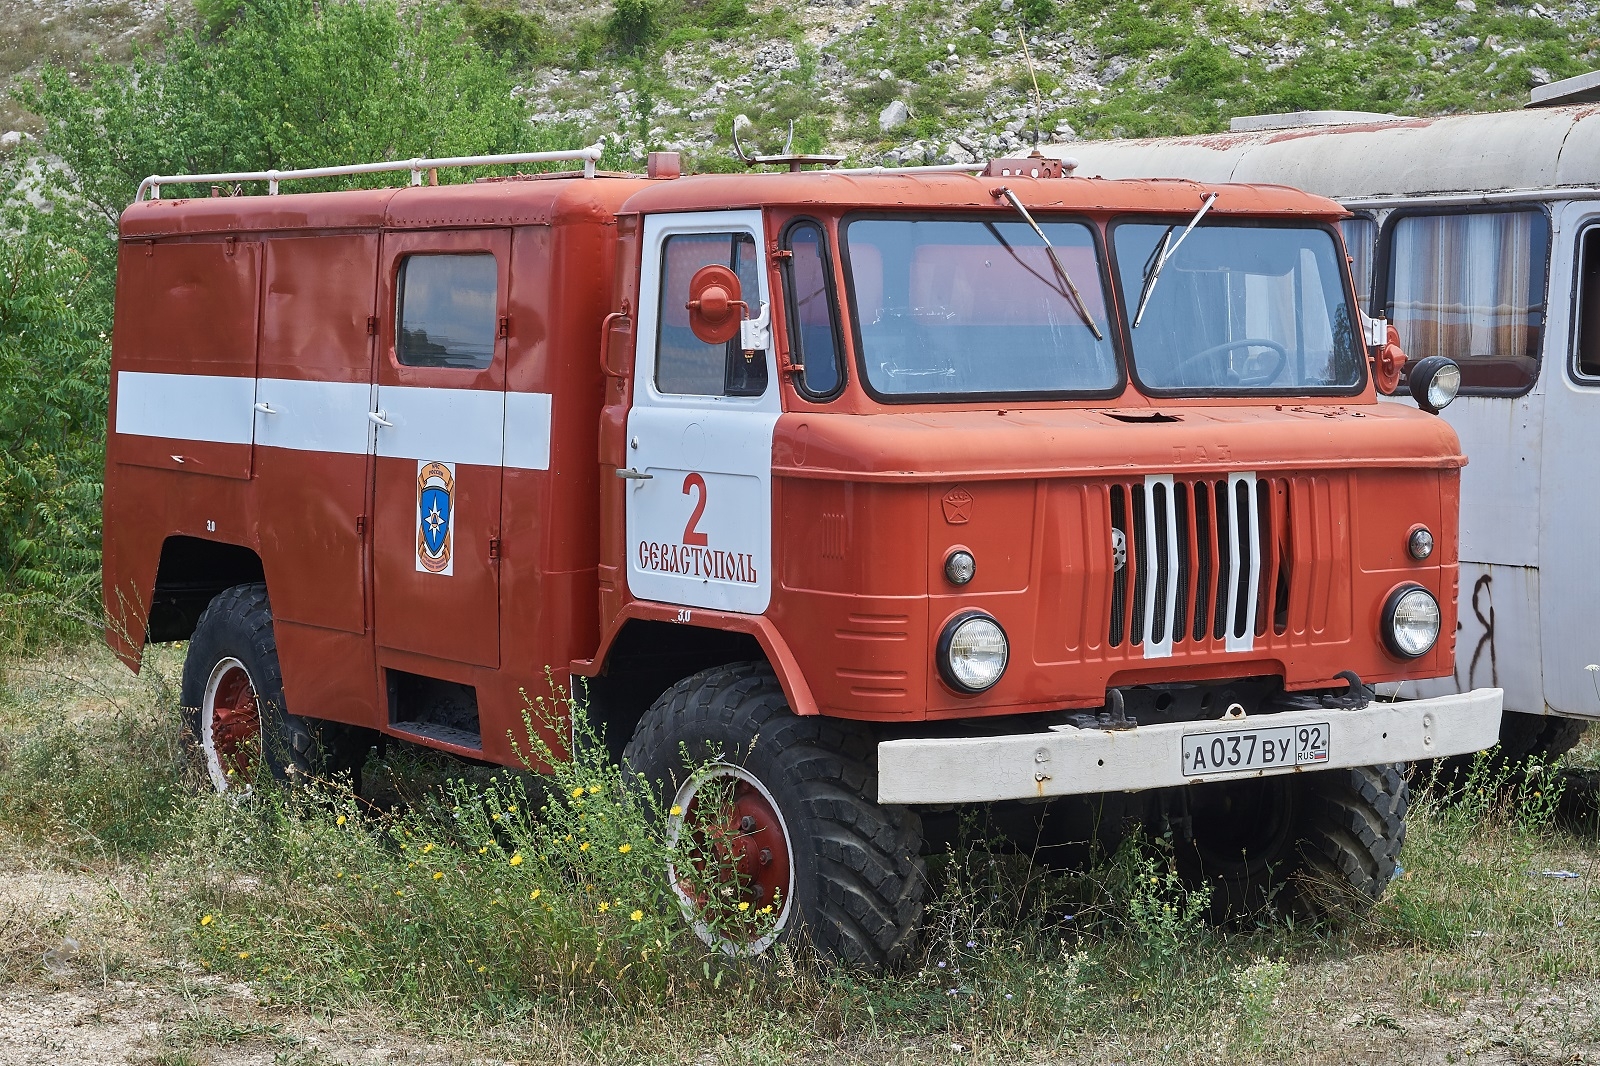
[[1038, 105], [785, 158]]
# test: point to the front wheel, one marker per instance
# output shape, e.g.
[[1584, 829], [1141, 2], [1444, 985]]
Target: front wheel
[[1316, 845], [771, 810]]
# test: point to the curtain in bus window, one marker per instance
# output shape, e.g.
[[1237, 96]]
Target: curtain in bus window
[[1472, 287]]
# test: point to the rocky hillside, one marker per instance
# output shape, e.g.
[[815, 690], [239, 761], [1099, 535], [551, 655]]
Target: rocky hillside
[[928, 80]]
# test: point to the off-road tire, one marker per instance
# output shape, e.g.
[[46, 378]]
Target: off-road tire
[[237, 624], [1333, 853], [859, 882]]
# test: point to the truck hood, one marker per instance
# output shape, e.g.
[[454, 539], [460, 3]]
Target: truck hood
[[927, 445]]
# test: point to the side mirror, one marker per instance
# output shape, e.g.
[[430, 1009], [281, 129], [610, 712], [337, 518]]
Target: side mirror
[[1435, 382], [1383, 348], [715, 305]]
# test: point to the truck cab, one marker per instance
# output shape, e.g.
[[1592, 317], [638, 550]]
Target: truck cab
[[841, 498]]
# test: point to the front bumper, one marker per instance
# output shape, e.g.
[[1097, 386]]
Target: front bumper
[[1067, 761]]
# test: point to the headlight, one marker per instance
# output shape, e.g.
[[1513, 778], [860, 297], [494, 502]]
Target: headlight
[[1411, 621], [959, 566], [972, 652], [1420, 543], [1435, 382]]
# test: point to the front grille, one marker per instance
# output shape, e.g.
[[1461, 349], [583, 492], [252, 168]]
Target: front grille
[[1207, 560]]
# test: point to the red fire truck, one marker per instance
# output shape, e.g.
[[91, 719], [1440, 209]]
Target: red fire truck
[[859, 495]]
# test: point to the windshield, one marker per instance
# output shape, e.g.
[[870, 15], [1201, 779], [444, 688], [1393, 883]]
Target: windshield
[[969, 308], [1237, 308]]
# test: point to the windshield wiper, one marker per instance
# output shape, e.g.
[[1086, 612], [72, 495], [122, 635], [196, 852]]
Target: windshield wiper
[[1163, 252], [1076, 297]]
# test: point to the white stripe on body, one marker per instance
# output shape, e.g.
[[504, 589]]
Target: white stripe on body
[[470, 426]]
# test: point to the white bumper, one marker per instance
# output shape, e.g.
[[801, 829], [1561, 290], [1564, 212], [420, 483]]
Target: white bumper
[[1066, 761]]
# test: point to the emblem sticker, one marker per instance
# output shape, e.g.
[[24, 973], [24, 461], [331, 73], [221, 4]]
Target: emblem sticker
[[436, 516]]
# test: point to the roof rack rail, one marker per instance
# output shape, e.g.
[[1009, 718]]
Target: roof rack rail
[[936, 168], [588, 156]]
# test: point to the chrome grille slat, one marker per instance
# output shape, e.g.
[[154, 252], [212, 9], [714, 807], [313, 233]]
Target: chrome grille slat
[[1200, 554]]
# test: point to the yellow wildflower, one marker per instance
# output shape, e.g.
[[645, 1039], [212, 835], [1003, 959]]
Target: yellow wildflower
[[593, 789], [244, 954], [516, 860], [207, 920], [577, 793], [482, 968], [426, 848], [339, 874], [569, 838], [511, 810], [483, 850], [625, 848], [637, 916], [767, 909], [339, 820], [604, 906], [1154, 880], [744, 905], [584, 846], [535, 893], [676, 810], [494, 817], [437, 875]]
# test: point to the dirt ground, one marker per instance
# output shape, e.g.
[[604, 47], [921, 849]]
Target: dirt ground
[[91, 992]]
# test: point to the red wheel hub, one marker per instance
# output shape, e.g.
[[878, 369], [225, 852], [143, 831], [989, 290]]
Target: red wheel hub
[[235, 724], [744, 845]]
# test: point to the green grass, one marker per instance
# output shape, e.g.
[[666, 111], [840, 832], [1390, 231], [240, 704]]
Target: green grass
[[464, 903]]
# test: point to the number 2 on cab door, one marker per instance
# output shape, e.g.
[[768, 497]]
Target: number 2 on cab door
[[695, 485]]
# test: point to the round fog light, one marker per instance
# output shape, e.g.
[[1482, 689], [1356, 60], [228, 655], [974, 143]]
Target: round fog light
[[1420, 543], [1411, 621], [972, 652], [959, 566]]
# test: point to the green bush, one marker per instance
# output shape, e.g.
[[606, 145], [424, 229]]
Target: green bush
[[634, 26], [53, 373]]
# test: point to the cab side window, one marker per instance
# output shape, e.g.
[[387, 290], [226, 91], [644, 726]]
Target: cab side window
[[1586, 316], [1471, 286], [812, 317], [1360, 240], [445, 311], [686, 365]]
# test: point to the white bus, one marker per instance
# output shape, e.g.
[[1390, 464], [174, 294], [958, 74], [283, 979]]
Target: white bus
[[1478, 238]]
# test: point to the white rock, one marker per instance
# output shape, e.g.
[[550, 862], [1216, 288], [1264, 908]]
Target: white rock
[[1007, 5], [1466, 5], [1539, 76], [1016, 125], [894, 116], [954, 153], [1405, 3], [10, 139], [1000, 36], [1065, 132]]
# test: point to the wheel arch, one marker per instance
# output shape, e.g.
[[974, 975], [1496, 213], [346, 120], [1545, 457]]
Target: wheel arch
[[190, 573], [649, 649]]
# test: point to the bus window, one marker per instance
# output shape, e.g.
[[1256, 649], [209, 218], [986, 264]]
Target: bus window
[[1471, 286], [1586, 316], [1360, 240]]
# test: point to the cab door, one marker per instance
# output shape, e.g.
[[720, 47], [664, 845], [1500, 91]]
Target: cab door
[[699, 456], [440, 417]]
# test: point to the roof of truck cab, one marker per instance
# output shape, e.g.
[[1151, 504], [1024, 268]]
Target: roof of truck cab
[[1501, 151], [542, 201], [537, 200], [910, 190]]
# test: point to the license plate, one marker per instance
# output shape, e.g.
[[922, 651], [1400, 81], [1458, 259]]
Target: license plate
[[1263, 748]]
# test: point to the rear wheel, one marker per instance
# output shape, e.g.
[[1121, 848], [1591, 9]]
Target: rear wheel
[[771, 810], [1309, 845], [233, 705]]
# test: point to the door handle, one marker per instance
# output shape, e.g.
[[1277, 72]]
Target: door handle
[[377, 419], [266, 408], [633, 475]]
